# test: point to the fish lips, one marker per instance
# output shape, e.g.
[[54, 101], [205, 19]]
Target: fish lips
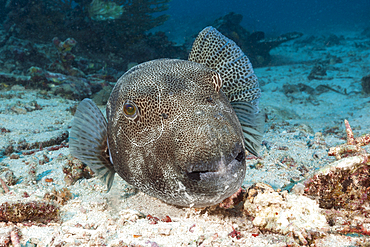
[[220, 169]]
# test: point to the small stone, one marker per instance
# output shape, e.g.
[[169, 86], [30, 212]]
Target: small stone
[[298, 189], [18, 110], [14, 156], [18, 88]]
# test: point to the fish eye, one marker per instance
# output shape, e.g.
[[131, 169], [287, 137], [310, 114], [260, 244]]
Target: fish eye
[[130, 109]]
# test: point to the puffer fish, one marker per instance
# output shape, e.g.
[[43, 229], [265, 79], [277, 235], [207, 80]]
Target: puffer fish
[[177, 130]]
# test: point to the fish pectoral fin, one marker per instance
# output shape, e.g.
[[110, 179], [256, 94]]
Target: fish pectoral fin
[[252, 122], [88, 141]]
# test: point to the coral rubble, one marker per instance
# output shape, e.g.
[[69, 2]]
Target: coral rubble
[[345, 183], [41, 212], [285, 213], [59, 196], [75, 170]]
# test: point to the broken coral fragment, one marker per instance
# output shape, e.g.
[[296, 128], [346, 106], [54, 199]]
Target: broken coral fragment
[[284, 213], [74, 170], [344, 183], [59, 196]]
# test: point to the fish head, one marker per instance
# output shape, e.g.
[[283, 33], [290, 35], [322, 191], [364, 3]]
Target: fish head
[[173, 134]]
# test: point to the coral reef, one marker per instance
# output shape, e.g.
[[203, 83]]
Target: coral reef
[[70, 87], [18, 55], [366, 32], [254, 44], [100, 10], [8, 176], [4, 186], [16, 212], [21, 108], [295, 92], [342, 188], [97, 25], [66, 58], [31, 54]]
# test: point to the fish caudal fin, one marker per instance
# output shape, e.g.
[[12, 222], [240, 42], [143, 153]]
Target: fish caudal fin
[[88, 140], [240, 84]]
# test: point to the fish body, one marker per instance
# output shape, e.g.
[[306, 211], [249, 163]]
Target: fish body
[[176, 129]]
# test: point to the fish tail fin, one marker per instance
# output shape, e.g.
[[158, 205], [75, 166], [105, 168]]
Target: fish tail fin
[[240, 84], [88, 140]]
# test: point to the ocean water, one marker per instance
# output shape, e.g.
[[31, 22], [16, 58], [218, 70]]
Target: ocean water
[[272, 17]]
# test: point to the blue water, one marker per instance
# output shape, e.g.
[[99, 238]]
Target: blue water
[[271, 16]]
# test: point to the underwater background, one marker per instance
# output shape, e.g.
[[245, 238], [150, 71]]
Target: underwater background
[[310, 184], [272, 17], [113, 35]]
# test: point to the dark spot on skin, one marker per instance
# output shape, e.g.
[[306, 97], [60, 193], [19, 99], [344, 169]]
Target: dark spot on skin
[[209, 99], [164, 115]]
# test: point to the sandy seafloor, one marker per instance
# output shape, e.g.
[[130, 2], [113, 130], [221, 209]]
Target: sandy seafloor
[[96, 218]]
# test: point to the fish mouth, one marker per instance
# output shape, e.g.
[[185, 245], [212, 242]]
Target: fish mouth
[[224, 166]]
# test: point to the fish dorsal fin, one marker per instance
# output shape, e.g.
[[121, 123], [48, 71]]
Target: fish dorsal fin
[[240, 84], [221, 54]]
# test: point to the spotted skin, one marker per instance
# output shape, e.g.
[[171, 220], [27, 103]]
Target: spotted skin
[[154, 153], [221, 54], [240, 84], [184, 144]]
